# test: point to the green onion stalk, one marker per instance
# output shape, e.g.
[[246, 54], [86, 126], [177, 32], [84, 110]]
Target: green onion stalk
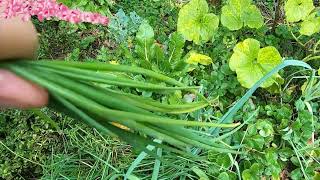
[[92, 92]]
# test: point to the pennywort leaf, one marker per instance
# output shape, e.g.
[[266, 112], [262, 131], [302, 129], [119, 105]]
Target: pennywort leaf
[[310, 25], [297, 10], [239, 13], [252, 63], [195, 23]]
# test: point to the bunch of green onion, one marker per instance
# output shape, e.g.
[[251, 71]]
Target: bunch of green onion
[[93, 93]]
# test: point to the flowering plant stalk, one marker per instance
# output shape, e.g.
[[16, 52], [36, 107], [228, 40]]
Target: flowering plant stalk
[[48, 9]]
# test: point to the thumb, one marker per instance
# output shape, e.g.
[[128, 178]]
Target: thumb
[[16, 92]]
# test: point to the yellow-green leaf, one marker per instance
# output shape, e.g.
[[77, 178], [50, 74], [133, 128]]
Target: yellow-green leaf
[[195, 23], [196, 58], [310, 25], [297, 10], [239, 13], [252, 63]]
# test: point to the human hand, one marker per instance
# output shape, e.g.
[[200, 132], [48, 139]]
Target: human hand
[[18, 39]]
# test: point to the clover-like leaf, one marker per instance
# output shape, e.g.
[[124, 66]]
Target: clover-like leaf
[[239, 13], [252, 63], [297, 10], [195, 23], [253, 173], [196, 58], [310, 25], [265, 128]]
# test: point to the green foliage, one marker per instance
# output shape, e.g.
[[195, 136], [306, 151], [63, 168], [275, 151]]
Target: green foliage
[[240, 13], [195, 23], [297, 10], [26, 142], [195, 58], [251, 63], [303, 10], [97, 156], [123, 26], [310, 25], [153, 55], [101, 6], [254, 173]]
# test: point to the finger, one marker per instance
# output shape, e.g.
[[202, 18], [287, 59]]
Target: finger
[[16, 92], [18, 39]]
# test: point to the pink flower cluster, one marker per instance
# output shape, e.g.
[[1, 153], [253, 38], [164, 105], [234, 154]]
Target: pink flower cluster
[[47, 9]]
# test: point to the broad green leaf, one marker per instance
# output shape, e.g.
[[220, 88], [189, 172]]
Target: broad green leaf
[[252, 63], [229, 19], [145, 43], [269, 55], [297, 10], [239, 13], [158, 59], [195, 23], [310, 25], [176, 45], [252, 17], [196, 58], [248, 49], [145, 34]]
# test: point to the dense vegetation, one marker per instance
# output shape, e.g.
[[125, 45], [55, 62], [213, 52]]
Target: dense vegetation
[[224, 46]]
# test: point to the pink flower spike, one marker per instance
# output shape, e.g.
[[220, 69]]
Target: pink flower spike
[[48, 9]]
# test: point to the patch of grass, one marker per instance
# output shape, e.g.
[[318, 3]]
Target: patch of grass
[[87, 154]]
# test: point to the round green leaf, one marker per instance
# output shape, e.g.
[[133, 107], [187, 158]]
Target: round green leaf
[[224, 176], [311, 25], [248, 49], [269, 56], [253, 173], [195, 23], [252, 17], [252, 63], [297, 10], [239, 13], [229, 19], [265, 128]]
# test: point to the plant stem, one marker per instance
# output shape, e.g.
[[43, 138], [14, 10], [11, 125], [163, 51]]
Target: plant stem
[[277, 14], [316, 47], [311, 58]]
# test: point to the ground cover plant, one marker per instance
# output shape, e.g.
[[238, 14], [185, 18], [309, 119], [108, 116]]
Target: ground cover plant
[[235, 82]]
